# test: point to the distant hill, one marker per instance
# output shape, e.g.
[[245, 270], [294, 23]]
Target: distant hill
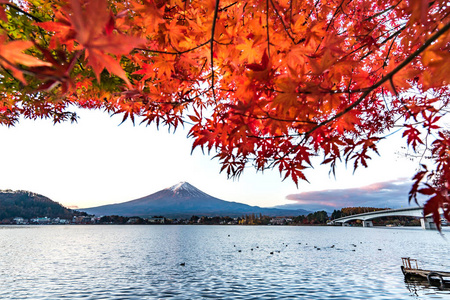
[[30, 205], [183, 201]]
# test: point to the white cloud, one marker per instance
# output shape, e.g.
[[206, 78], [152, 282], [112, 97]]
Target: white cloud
[[388, 194]]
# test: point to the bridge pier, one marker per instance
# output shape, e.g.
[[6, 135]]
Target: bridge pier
[[367, 223], [427, 223]]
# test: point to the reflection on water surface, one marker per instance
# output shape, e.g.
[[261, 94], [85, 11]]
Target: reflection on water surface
[[231, 262]]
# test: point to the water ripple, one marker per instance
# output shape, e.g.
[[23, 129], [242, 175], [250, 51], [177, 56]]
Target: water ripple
[[192, 262]]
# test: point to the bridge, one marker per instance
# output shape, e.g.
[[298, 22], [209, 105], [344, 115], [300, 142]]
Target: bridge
[[426, 222]]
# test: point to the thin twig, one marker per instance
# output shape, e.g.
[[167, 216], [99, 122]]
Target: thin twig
[[382, 12], [334, 15], [380, 82], [393, 86], [177, 52], [24, 12], [282, 22], [267, 27], [228, 6], [216, 10], [389, 51]]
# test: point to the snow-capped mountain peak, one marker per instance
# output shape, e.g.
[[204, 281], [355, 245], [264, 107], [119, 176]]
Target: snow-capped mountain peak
[[177, 186], [183, 200], [185, 188]]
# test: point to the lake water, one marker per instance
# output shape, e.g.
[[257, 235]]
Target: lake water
[[145, 262]]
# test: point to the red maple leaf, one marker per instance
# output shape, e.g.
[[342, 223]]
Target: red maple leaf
[[92, 25], [432, 207]]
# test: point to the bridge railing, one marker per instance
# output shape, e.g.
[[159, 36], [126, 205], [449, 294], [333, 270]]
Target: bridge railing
[[396, 210]]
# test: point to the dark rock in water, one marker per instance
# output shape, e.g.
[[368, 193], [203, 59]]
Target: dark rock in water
[[271, 252], [182, 264]]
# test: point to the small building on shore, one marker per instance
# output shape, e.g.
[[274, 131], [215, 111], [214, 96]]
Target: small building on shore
[[19, 221]]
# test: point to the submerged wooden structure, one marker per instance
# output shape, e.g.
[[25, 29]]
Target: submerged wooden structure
[[411, 270]]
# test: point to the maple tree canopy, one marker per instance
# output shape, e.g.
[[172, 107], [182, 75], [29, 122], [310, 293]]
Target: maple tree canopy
[[268, 83]]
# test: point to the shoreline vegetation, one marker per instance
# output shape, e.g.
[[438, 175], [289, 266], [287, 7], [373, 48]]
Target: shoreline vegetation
[[318, 218], [27, 208]]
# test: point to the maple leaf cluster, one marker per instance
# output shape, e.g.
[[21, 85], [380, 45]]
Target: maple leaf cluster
[[264, 83]]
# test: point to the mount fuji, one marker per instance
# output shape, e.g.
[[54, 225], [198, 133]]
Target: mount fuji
[[183, 201]]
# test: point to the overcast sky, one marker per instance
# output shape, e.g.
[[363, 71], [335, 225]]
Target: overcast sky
[[96, 161]]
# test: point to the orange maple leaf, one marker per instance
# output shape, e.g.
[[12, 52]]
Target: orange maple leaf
[[151, 15], [164, 64], [347, 121], [90, 24], [174, 32], [11, 56], [249, 51]]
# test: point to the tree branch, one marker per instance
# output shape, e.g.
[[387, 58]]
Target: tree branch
[[216, 10], [267, 27], [24, 12], [382, 12], [389, 76], [228, 6], [334, 15], [177, 52], [282, 22]]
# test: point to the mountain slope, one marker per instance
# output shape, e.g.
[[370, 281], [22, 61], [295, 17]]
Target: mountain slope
[[30, 205], [183, 201]]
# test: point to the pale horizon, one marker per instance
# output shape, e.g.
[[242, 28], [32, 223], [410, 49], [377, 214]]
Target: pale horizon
[[96, 162]]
